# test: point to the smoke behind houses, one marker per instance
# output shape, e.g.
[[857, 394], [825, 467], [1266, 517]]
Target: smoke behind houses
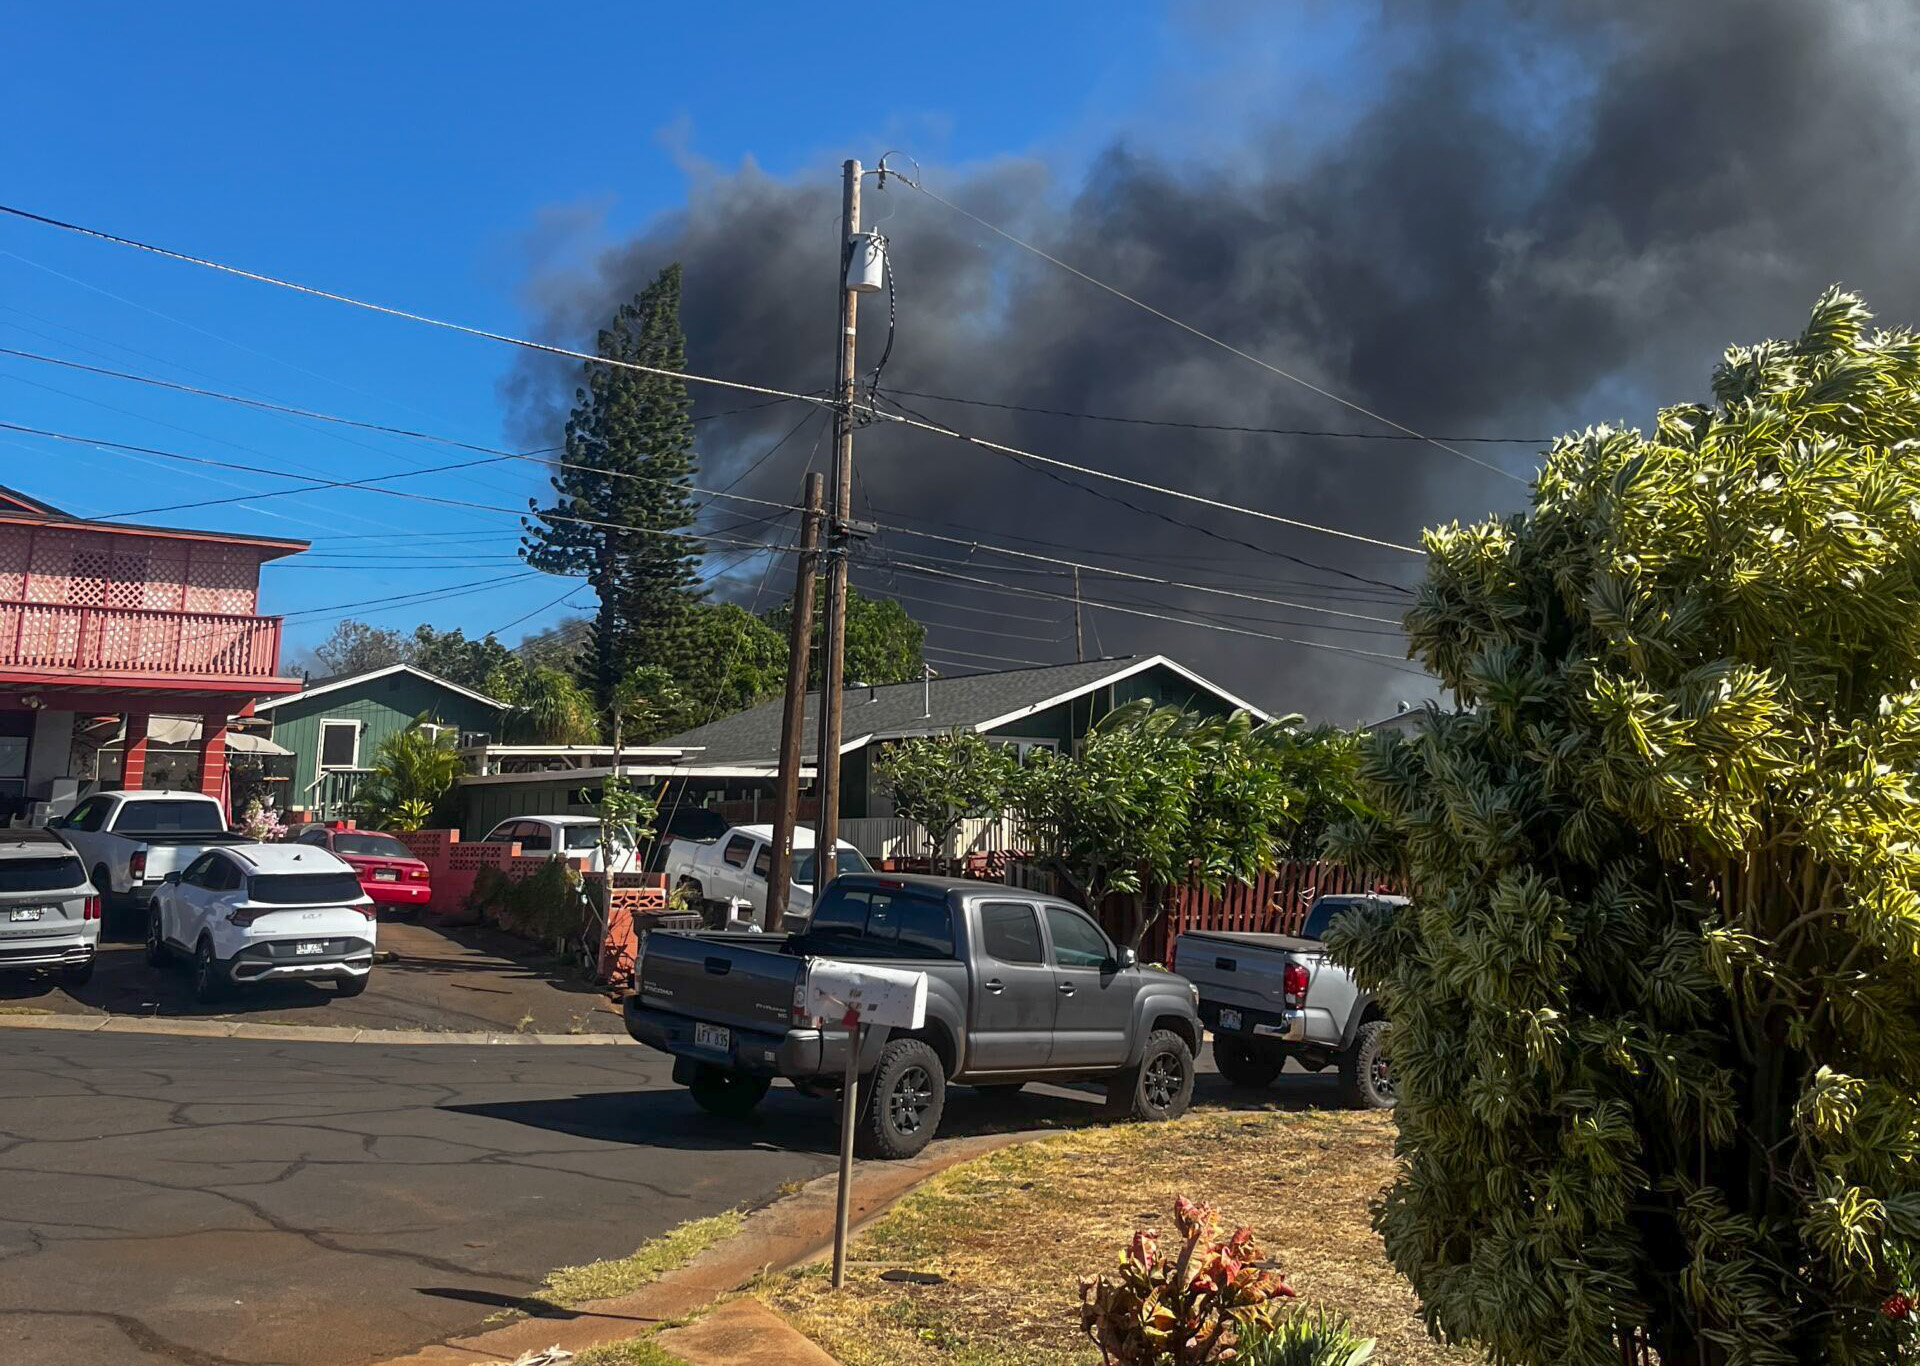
[[1543, 216]]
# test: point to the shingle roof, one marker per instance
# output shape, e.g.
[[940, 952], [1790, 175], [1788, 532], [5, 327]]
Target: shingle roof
[[896, 709]]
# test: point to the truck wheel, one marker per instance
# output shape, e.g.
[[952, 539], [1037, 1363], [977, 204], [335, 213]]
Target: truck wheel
[[905, 1097], [1160, 1087], [1246, 1064], [730, 1095], [208, 983], [1366, 1081]]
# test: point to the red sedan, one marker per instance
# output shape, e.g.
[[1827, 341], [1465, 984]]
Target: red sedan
[[387, 869]]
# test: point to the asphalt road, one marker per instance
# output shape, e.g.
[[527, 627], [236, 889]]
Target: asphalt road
[[216, 1201], [207, 1201]]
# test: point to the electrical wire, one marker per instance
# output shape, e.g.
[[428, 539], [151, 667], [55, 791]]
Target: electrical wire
[[1206, 336], [689, 377]]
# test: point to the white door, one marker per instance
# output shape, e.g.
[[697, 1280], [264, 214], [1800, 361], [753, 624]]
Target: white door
[[736, 857], [184, 905]]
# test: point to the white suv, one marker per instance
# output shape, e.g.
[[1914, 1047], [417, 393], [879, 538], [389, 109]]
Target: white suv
[[264, 913], [49, 912]]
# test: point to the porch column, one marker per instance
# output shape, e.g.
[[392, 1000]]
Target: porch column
[[213, 759], [133, 771]]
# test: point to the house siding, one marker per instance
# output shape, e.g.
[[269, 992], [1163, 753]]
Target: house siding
[[382, 706]]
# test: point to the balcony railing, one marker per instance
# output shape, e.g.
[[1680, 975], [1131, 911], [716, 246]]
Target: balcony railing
[[126, 640]]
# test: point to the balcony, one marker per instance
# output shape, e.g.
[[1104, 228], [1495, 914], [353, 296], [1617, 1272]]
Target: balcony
[[55, 641]]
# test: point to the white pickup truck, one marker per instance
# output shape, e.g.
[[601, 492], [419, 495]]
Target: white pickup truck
[[733, 867], [129, 841]]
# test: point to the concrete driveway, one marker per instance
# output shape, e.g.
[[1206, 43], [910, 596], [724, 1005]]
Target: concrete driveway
[[427, 978]]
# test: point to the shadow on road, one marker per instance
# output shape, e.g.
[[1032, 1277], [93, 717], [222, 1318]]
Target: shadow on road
[[788, 1121]]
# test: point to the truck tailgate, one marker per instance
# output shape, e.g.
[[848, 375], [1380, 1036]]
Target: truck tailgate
[[1244, 970], [729, 979]]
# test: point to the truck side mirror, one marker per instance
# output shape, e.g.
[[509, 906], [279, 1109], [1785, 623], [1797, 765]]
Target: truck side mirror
[[1126, 958]]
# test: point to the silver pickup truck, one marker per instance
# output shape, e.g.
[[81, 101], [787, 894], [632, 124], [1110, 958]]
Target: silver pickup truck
[[1270, 997], [1020, 987]]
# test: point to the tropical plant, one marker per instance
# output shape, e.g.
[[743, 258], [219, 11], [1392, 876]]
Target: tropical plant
[[1657, 1007], [550, 707], [942, 780], [1300, 1339], [884, 642], [412, 771], [1186, 1306]]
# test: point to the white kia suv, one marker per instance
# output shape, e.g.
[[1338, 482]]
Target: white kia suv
[[265, 913], [49, 912]]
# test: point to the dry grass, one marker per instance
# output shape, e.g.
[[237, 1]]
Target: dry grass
[[670, 1251], [1012, 1233], [633, 1352]]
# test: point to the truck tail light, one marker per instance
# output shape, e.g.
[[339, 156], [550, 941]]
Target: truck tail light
[[1293, 984], [137, 865], [90, 908]]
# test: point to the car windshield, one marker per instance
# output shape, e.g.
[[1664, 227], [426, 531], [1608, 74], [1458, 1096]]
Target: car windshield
[[581, 836], [148, 817], [851, 861], [304, 889], [40, 874], [369, 844]]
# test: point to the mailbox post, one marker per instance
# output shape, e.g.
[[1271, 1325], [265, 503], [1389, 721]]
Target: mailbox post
[[858, 995]]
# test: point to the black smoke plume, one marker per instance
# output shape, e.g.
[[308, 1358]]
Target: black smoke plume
[[1551, 215]]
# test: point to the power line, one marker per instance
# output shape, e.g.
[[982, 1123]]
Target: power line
[[1220, 426], [1205, 336], [689, 377], [1003, 659]]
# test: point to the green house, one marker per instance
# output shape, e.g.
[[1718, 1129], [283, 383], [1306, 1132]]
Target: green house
[[334, 726]]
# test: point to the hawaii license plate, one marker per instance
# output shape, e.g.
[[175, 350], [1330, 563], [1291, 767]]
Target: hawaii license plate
[[27, 912], [386, 875], [310, 946], [1229, 1019], [713, 1036]]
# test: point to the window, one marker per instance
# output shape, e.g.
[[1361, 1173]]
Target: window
[[881, 922], [89, 815], [432, 729], [224, 875], [304, 889], [737, 849], [41, 874], [850, 861], [1077, 941], [1010, 932], [502, 833], [582, 837], [145, 816], [1322, 914], [196, 872], [369, 845], [339, 744], [314, 834], [534, 837], [763, 861]]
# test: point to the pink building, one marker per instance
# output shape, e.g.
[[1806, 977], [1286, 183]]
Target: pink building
[[106, 619]]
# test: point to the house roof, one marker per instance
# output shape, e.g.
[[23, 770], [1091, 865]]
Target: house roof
[[19, 507], [891, 711], [334, 682]]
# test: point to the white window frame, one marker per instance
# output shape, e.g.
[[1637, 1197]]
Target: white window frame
[[320, 757]]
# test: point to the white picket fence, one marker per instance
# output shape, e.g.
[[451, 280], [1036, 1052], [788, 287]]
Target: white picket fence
[[898, 837]]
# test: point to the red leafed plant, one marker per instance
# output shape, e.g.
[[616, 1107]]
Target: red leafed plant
[[1185, 1308]]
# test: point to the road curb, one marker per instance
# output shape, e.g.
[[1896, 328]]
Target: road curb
[[280, 1033], [789, 1232]]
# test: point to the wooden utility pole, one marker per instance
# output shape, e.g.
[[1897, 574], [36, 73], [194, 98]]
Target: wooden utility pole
[[793, 720], [833, 664], [1079, 640]]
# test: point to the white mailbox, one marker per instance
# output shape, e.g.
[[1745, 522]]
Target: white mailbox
[[879, 996]]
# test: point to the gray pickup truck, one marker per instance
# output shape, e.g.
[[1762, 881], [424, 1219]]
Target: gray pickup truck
[[1270, 997], [1020, 988]]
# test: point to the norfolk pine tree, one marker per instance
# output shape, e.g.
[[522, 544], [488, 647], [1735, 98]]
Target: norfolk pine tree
[[1656, 1005], [635, 432]]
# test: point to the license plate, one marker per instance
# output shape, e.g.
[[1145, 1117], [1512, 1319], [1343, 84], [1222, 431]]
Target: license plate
[[385, 875], [310, 946], [27, 912], [1229, 1019], [712, 1036]]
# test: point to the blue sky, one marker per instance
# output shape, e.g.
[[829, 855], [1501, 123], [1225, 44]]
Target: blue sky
[[421, 155]]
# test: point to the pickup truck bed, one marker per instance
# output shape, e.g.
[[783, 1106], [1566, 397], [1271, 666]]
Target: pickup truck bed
[[1019, 988]]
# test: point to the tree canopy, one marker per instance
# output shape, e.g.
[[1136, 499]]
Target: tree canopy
[[354, 647], [1657, 1004], [942, 780], [884, 642]]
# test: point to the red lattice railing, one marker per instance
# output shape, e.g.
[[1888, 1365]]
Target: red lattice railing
[[44, 635]]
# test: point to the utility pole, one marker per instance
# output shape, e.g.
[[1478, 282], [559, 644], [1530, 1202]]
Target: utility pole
[[793, 720], [1079, 640], [833, 664]]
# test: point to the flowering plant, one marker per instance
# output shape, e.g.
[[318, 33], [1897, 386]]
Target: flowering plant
[[261, 822], [1183, 1308]]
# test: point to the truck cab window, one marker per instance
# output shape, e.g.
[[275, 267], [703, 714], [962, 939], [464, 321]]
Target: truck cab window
[[737, 849], [1077, 941], [1010, 932]]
